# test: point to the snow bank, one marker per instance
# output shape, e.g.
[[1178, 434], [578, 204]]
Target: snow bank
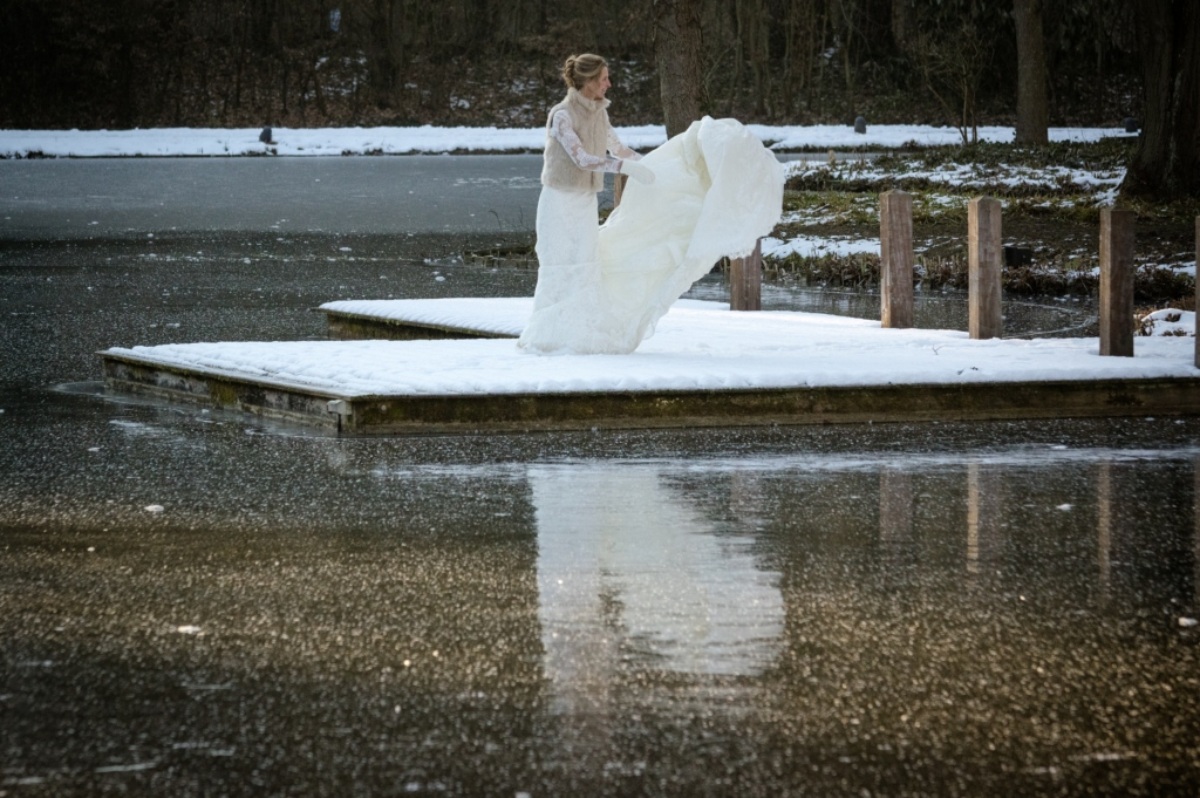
[[164, 142]]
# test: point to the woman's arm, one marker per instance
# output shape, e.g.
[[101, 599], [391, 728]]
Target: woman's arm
[[564, 133], [617, 148]]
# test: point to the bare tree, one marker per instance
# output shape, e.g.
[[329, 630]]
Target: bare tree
[[1033, 110], [677, 52], [902, 23], [1166, 163], [952, 66]]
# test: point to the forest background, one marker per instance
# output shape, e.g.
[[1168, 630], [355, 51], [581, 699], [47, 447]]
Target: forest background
[[319, 63], [1029, 64], [297, 63]]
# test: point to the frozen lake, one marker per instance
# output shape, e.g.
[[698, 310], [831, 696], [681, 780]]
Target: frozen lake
[[194, 602], [110, 197]]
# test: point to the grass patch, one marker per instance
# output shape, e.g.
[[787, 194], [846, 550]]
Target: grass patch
[[1108, 154], [1051, 198], [1153, 286]]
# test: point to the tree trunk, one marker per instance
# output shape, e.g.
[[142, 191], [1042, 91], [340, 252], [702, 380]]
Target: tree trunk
[[902, 25], [1033, 110], [677, 49], [1166, 163]]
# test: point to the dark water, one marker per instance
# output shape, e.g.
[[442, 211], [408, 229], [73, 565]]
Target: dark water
[[1061, 317], [193, 603]]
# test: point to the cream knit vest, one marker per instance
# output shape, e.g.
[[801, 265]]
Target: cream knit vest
[[590, 120]]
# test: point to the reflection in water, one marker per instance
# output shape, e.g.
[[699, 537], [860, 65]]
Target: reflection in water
[[772, 618], [895, 508], [628, 575], [941, 310], [984, 517], [1104, 524], [1196, 536]]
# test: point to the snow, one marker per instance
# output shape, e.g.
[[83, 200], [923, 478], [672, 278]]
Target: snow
[[697, 346], [972, 175], [818, 246], [1169, 321], [166, 142]]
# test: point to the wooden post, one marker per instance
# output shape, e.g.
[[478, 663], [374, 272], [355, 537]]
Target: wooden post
[[896, 259], [745, 280], [1116, 283], [984, 265], [1198, 338], [619, 182]]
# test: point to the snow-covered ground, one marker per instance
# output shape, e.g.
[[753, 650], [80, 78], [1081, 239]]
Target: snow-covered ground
[[179, 142], [697, 346]]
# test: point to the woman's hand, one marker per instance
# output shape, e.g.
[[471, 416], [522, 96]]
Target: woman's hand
[[639, 172]]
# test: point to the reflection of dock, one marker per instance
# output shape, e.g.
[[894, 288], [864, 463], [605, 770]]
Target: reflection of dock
[[706, 366]]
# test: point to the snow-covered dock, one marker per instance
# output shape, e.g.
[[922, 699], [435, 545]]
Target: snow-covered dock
[[705, 366]]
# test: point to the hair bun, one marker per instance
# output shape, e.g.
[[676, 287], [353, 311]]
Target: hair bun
[[579, 69]]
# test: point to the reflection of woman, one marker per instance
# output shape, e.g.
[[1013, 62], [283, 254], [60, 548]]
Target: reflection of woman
[[626, 567], [579, 140], [709, 192]]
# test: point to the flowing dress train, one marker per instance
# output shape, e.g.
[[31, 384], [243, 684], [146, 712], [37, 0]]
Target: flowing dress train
[[601, 291]]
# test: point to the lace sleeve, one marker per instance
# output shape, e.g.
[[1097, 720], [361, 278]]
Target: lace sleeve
[[617, 148], [564, 133]]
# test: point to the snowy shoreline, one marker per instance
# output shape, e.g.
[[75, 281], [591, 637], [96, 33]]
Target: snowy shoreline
[[325, 142]]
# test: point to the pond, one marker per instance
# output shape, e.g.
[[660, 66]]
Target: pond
[[194, 602]]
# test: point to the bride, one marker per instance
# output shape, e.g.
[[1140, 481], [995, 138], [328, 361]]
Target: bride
[[708, 193]]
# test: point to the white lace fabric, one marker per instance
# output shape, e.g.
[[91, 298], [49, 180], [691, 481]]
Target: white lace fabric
[[564, 133]]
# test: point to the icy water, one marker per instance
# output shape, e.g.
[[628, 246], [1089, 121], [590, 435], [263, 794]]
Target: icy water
[[194, 603]]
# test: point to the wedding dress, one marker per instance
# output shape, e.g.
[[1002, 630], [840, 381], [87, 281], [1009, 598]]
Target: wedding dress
[[717, 190]]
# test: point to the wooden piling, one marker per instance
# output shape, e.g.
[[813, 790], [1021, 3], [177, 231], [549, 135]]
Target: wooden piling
[[745, 280], [1197, 306], [984, 265], [1116, 283], [896, 259], [619, 181]]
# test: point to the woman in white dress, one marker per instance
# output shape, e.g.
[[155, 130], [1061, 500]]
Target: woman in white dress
[[581, 146], [708, 193]]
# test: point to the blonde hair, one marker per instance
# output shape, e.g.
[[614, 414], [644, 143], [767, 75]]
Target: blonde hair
[[579, 69]]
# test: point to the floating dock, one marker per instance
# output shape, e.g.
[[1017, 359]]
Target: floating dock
[[451, 365]]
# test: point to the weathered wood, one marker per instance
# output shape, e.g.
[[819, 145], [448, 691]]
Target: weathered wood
[[984, 267], [357, 327], [1116, 283], [745, 280], [1197, 306], [896, 259], [619, 181], [420, 414]]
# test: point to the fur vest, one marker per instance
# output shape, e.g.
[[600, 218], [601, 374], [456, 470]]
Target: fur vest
[[590, 120]]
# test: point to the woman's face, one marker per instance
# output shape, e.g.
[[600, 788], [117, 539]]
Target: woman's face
[[597, 87]]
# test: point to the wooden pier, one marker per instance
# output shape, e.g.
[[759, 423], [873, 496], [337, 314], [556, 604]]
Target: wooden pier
[[794, 391]]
